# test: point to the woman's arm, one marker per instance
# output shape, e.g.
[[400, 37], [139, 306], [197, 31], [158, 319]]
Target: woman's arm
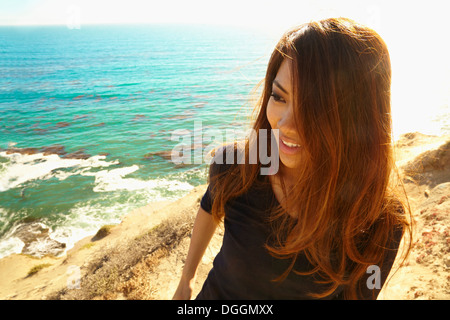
[[204, 228]]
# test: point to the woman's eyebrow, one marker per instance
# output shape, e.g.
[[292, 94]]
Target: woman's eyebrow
[[275, 82]]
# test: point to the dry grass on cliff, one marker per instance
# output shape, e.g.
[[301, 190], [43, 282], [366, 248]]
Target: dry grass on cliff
[[125, 271]]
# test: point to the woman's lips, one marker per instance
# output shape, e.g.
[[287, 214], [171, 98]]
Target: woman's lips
[[286, 148]]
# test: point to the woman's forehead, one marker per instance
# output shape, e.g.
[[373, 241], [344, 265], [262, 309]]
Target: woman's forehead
[[283, 76]]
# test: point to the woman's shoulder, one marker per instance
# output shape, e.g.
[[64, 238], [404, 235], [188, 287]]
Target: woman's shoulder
[[224, 156]]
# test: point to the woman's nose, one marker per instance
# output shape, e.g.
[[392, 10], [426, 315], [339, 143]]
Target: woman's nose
[[287, 122]]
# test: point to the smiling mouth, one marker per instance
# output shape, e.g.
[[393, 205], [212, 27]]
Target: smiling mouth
[[290, 145], [289, 148]]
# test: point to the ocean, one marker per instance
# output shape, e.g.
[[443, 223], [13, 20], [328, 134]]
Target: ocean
[[99, 107], [90, 117]]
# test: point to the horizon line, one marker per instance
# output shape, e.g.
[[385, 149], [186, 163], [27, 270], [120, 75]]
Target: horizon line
[[134, 23]]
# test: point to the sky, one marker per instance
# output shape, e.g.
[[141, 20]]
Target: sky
[[415, 31], [241, 12]]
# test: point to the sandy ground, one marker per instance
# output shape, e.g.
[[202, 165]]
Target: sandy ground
[[426, 275], [425, 161]]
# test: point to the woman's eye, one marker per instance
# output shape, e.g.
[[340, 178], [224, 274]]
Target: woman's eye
[[276, 97]]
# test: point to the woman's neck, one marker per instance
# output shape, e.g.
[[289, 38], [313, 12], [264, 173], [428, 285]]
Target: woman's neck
[[288, 176]]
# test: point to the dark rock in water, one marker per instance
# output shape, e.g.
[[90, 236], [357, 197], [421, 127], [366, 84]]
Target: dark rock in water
[[165, 154], [10, 150], [177, 153], [77, 117], [177, 117], [37, 240], [55, 149], [62, 124], [138, 117], [77, 155], [39, 130], [184, 165], [29, 150], [30, 231], [44, 247], [26, 151], [200, 104]]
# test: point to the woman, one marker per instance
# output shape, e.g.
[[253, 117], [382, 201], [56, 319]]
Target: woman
[[327, 224]]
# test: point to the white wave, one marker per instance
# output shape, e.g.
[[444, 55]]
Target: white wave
[[23, 168], [3, 216], [8, 243], [43, 246], [80, 222], [85, 220], [173, 185], [112, 180], [10, 246]]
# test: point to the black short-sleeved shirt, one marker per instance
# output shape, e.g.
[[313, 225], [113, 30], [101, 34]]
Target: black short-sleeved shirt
[[244, 269]]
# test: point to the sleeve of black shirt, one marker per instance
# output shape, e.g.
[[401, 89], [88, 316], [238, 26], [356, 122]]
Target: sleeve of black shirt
[[218, 165], [206, 202]]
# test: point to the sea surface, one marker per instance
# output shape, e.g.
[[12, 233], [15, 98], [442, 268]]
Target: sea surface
[[99, 108], [89, 118]]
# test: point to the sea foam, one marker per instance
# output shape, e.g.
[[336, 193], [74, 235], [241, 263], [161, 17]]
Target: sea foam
[[22, 168]]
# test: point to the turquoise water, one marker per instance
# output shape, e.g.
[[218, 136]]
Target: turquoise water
[[115, 95]]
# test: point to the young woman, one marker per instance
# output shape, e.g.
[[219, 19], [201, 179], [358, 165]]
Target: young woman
[[328, 223]]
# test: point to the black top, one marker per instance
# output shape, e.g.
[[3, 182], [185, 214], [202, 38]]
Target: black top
[[244, 269]]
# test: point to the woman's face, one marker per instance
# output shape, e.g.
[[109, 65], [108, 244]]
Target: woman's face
[[280, 116]]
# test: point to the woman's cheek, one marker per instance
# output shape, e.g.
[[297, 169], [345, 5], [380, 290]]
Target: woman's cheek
[[272, 116]]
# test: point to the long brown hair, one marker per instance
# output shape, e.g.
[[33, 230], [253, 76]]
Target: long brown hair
[[344, 201]]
